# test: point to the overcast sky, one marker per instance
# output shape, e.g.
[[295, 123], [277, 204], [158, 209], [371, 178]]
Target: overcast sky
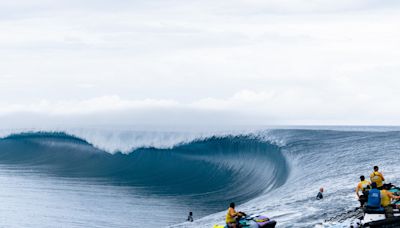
[[263, 62]]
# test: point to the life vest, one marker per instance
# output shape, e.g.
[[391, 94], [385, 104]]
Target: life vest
[[377, 178], [229, 218], [385, 199], [374, 198], [363, 185]]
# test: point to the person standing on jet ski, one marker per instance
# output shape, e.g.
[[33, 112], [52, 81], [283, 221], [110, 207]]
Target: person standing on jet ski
[[364, 187], [377, 177]]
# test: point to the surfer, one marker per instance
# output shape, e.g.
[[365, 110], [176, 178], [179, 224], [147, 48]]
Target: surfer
[[232, 216], [362, 186], [190, 217], [377, 177], [319, 195]]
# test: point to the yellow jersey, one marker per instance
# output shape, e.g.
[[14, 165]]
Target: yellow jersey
[[377, 178], [363, 185], [385, 199], [229, 218]]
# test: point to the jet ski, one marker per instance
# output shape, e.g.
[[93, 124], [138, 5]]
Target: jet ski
[[365, 217], [253, 221]]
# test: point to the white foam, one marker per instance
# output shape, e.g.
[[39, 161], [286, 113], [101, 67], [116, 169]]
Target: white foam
[[125, 139]]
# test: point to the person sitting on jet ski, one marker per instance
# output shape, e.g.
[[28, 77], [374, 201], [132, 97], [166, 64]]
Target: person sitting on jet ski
[[364, 187], [387, 196], [377, 177], [374, 197], [232, 215]]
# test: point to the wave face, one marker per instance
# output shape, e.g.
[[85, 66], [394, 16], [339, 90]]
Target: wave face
[[205, 175]]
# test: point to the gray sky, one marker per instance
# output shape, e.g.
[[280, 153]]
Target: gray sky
[[199, 62]]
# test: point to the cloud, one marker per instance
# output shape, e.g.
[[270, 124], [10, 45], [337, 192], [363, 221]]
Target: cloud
[[244, 107], [85, 107], [169, 61], [246, 99]]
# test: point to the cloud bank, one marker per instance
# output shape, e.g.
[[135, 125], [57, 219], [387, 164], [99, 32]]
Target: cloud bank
[[187, 62]]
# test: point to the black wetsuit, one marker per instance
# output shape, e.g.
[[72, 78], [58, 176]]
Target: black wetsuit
[[319, 196]]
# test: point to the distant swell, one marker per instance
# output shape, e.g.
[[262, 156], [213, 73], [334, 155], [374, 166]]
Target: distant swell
[[215, 170]]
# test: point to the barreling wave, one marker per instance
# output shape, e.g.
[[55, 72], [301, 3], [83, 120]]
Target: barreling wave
[[206, 169], [203, 174]]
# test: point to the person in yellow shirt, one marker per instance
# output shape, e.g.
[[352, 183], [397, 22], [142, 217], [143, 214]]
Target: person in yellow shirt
[[386, 200], [363, 186], [387, 196], [377, 177], [231, 216]]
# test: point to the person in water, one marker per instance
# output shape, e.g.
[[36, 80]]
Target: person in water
[[319, 195], [232, 215], [363, 186], [190, 217], [377, 177]]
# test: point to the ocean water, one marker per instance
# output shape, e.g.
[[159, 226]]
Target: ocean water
[[139, 178]]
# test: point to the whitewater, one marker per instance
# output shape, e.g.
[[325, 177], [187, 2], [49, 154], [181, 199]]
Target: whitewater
[[95, 177]]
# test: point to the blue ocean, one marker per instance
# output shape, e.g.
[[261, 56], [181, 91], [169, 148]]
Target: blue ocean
[[154, 178]]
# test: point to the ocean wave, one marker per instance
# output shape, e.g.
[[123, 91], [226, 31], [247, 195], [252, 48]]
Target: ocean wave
[[244, 166]]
